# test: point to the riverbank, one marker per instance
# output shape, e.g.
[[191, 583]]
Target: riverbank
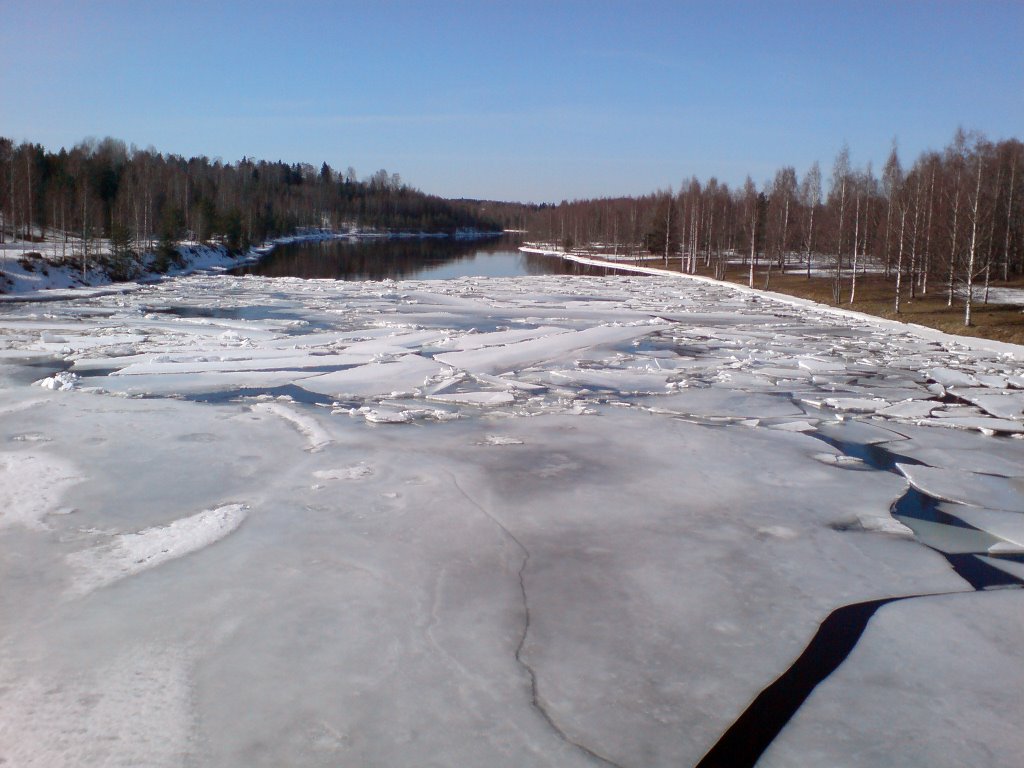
[[44, 270], [1001, 322]]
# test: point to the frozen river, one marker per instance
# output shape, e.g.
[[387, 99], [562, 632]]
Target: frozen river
[[542, 521]]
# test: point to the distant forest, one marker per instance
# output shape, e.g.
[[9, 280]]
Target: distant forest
[[138, 198], [952, 219]]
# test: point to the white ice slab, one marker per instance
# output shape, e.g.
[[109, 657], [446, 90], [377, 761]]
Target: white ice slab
[[475, 398], [399, 343], [851, 719], [948, 377], [1009, 405], [862, 432], [502, 338], [1008, 526], [909, 409], [982, 424], [714, 401], [407, 373], [526, 353], [856, 404], [819, 365], [999, 459], [1006, 493], [621, 381], [237, 363]]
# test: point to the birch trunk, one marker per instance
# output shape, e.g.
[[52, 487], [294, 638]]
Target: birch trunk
[[1009, 210], [856, 237], [927, 255], [899, 258], [972, 250]]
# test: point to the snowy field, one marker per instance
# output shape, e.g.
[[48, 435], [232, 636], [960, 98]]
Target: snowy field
[[550, 521]]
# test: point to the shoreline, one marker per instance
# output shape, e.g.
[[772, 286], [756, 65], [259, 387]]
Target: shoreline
[[47, 281], [1015, 351]]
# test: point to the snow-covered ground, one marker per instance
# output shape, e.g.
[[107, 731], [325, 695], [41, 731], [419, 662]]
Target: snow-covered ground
[[45, 271], [822, 266], [48, 268], [547, 521], [998, 295]]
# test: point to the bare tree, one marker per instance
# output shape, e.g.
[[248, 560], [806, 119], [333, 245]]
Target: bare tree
[[856, 240], [750, 207], [1009, 217], [837, 199], [783, 196], [892, 180], [972, 249], [810, 197], [956, 158]]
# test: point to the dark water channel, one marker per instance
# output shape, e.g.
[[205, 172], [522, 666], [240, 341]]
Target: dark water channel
[[410, 259]]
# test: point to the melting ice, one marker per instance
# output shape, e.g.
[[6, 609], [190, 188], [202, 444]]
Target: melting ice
[[537, 521]]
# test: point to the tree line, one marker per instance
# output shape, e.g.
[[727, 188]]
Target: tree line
[[951, 222], [142, 201]]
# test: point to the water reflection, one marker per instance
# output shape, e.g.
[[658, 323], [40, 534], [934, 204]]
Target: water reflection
[[419, 259]]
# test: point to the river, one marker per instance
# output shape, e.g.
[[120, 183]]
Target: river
[[410, 259]]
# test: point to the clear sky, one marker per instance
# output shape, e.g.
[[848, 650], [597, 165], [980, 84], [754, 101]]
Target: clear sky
[[516, 100]]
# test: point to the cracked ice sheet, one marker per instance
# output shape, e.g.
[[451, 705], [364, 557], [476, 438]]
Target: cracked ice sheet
[[964, 716], [631, 597], [674, 569]]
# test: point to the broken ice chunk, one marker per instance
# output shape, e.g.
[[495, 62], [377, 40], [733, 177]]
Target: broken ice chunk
[[476, 398], [948, 377], [1009, 405], [406, 373], [989, 491], [909, 409], [64, 381], [856, 404]]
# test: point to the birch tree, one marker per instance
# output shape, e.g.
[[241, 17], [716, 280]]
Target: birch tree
[[783, 197], [838, 199], [955, 160], [892, 179], [810, 197], [972, 249]]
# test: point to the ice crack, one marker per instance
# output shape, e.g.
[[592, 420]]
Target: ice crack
[[535, 699]]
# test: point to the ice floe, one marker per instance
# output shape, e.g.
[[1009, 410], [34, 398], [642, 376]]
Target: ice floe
[[970, 488]]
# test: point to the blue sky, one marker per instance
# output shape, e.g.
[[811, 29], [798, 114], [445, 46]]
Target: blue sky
[[516, 100]]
